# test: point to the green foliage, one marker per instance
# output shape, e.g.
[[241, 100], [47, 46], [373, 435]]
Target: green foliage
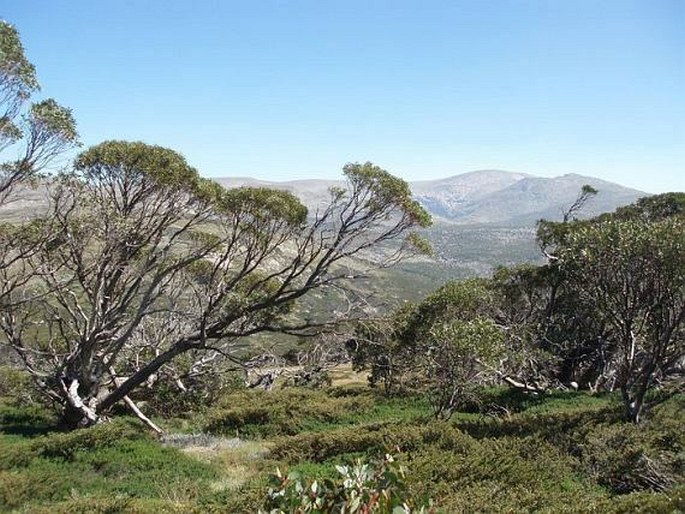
[[53, 120], [632, 274], [539, 459], [15, 68], [361, 488], [496, 475], [456, 354], [164, 398], [560, 452], [386, 191], [107, 468], [464, 300], [444, 346], [46, 128], [562, 424], [131, 162], [109, 505], [66, 446], [282, 412], [643, 502], [420, 244], [17, 387], [369, 438], [17, 81], [623, 459], [264, 204], [164, 264], [651, 208], [609, 305], [26, 420]]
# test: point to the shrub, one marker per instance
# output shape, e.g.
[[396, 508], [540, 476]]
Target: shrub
[[113, 461], [27, 421], [63, 446], [622, 458], [165, 399], [17, 388], [562, 429], [361, 488], [371, 438], [645, 502], [282, 412], [108, 505]]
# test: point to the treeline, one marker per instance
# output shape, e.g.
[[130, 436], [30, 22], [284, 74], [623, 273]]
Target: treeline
[[604, 313]]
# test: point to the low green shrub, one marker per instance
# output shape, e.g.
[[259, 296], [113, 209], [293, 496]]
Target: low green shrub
[[644, 502], [116, 460], [440, 471], [108, 505], [63, 446], [627, 458], [165, 399], [560, 428], [282, 412], [26, 420], [619, 456], [373, 438], [17, 388]]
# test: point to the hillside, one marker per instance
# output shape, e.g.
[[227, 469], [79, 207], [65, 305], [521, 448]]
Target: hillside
[[532, 198], [485, 197], [481, 197], [482, 219]]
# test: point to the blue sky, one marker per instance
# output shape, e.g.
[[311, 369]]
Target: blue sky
[[284, 90]]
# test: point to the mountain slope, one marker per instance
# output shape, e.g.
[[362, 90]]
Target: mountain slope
[[529, 199], [452, 197], [486, 197], [481, 197]]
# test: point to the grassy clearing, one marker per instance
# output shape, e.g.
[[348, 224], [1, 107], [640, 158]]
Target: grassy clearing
[[343, 375], [563, 452]]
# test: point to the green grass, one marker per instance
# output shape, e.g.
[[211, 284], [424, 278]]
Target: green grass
[[560, 452]]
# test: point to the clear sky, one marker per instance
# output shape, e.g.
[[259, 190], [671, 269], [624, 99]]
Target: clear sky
[[427, 89]]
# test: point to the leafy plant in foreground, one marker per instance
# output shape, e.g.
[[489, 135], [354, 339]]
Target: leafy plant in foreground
[[361, 488]]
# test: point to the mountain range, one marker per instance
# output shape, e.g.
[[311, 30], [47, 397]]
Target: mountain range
[[476, 198], [483, 219], [484, 197]]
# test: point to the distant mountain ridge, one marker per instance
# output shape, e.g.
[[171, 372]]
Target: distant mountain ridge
[[483, 197]]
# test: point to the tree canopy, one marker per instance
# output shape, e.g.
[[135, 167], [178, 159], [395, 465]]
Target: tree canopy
[[147, 261]]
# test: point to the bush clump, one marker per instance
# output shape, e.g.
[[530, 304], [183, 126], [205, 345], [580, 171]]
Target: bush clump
[[373, 438], [282, 412], [17, 388]]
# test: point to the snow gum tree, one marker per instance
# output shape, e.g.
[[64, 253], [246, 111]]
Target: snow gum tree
[[147, 261], [32, 136], [632, 274]]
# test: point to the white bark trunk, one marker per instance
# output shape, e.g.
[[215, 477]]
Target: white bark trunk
[[71, 392], [134, 408]]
